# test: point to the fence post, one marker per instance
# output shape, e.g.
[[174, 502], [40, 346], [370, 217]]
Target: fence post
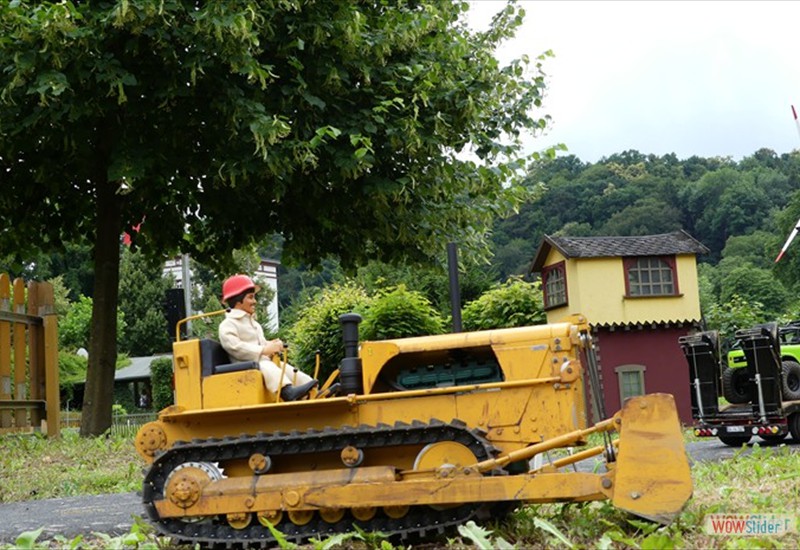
[[20, 352], [5, 350], [36, 351], [47, 312]]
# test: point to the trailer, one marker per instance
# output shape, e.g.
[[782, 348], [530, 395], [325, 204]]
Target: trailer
[[765, 410]]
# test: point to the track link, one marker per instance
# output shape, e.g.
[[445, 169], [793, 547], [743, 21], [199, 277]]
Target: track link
[[419, 522]]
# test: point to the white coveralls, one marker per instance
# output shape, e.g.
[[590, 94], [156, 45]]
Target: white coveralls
[[243, 339]]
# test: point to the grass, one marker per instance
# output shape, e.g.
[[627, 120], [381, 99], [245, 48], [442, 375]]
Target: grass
[[34, 467], [763, 480]]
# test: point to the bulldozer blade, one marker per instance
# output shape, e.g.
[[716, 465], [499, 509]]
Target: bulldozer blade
[[653, 478]]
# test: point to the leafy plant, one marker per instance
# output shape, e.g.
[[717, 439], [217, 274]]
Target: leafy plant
[[514, 303], [734, 314], [27, 540], [480, 537], [397, 313], [140, 537], [318, 326], [553, 530], [74, 328], [280, 538]]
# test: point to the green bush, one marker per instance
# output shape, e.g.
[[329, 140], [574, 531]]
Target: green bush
[[514, 303], [71, 367], [732, 315], [74, 328], [318, 328], [123, 399], [161, 381], [398, 313]]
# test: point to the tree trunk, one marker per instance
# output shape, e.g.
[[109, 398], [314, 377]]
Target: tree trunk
[[99, 394]]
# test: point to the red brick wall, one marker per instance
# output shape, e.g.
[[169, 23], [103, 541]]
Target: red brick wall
[[655, 348]]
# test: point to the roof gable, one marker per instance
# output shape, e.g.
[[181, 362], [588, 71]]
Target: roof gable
[[678, 242], [138, 369]]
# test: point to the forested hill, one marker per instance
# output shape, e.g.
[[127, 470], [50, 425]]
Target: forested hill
[[742, 211]]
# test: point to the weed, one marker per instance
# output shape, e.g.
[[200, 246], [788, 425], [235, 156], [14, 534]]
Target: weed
[[480, 537]]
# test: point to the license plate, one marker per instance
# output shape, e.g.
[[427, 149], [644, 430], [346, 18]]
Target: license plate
[[735, 429]]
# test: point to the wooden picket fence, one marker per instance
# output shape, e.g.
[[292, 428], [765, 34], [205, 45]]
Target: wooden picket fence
[[29, 398]]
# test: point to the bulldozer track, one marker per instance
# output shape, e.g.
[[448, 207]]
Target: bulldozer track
[[420, 521]]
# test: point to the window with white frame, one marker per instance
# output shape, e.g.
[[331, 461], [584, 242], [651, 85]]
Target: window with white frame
[[651, 276]]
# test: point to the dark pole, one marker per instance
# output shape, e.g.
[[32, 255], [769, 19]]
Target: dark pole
[[350, 372], [455, 291]]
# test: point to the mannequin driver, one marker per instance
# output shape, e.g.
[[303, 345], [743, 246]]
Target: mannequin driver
[[243, 338]]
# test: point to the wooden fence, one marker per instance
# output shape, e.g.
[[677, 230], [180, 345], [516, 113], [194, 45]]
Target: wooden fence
[[29, 398]]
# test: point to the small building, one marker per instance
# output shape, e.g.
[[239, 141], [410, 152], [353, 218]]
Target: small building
[[640, 294], [134, 381], [132, 386]]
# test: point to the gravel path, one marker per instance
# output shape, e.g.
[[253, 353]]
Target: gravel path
[[69, 517]]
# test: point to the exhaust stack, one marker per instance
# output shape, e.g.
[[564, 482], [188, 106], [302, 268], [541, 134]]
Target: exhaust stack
[[350, 367]]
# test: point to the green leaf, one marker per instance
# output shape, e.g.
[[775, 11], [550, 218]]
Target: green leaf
[[334, 541], [617, 536], [553, 530], [280, 538], [50, 83], [314, 100], [27, 540], [658, 541], [477, 534], [605, 543]]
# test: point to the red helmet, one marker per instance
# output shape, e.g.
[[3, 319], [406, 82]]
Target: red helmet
[[236, 285]]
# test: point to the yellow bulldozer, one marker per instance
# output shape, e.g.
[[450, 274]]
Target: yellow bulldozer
[[424, 434]]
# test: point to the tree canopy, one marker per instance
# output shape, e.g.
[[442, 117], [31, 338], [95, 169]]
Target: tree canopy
[[631, 193], [342, 126]]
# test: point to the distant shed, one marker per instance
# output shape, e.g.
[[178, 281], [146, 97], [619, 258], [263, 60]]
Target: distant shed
[[640, 293]]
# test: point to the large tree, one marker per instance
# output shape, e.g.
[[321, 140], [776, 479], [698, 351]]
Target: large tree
[[342, 125]]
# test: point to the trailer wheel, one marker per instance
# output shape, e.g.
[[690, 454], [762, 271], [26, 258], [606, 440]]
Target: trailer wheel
[[790, 380], [734, 440], [794, 426], [736, 385]]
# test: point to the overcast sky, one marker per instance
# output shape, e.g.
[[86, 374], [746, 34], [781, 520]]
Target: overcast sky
[[706, 78]]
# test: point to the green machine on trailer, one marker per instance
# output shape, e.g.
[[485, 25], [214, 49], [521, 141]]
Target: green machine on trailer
[[766, 405]]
